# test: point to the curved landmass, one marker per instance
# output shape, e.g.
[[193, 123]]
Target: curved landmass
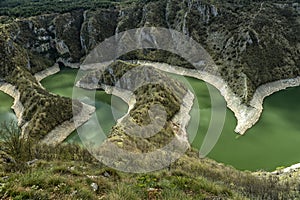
[[61, 130], [157, 117], [142, 88], [14, 93]]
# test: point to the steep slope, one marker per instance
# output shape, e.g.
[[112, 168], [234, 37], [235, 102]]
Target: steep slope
[[257, 43], [70, 172], [251, 43], [41, 110]]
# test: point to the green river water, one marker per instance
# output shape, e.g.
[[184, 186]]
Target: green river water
[[273, 142], [6, 113]]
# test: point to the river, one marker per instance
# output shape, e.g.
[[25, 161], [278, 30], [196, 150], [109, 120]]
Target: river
[[273, 142], [6, 113]]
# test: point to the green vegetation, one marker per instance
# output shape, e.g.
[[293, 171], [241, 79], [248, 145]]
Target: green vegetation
[[159, 91], [248, 48], [245, 153], [157, 56], [68, 171], [43, 111], [113, 74], [28, 8]]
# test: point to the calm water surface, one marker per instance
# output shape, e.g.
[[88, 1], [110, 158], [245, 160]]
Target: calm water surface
[[63, 83], [6, 113], [274, 141]]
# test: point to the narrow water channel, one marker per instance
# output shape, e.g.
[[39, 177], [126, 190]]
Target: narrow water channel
[[62, 83]]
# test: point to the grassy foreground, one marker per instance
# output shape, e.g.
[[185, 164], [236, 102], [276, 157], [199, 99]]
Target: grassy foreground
[[70, 172]]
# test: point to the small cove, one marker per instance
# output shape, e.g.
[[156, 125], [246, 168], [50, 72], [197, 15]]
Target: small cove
[[271, 143]]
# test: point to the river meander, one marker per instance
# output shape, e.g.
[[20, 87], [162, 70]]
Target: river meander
[[273, 142]]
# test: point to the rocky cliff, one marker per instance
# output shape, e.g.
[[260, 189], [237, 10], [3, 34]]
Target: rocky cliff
[[255, 42], [251, 43]]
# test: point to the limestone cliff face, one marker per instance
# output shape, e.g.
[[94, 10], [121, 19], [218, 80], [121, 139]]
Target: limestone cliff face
[[97, 26], [251, 43]]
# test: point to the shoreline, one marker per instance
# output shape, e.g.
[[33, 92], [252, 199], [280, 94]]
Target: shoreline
[[261, 93], [246, 116], [242, 112], [60, 132], [180, 119], [17, 106], [47, 72]]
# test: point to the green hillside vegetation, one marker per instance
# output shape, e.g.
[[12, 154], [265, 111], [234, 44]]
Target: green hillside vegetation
[[28, 8], [43, 111], [67, 171], [242, 38], [157, 56], [160, 91]]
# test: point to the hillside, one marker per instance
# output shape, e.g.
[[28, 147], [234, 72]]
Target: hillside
[[69, 171]]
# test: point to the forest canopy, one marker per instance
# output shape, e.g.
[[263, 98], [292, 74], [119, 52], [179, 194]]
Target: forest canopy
[[27, 8]]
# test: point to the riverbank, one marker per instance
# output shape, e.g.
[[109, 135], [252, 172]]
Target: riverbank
[[246, 116], [259, 135], [47, 72], [179, 122], [59, 133], [17, 105]]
